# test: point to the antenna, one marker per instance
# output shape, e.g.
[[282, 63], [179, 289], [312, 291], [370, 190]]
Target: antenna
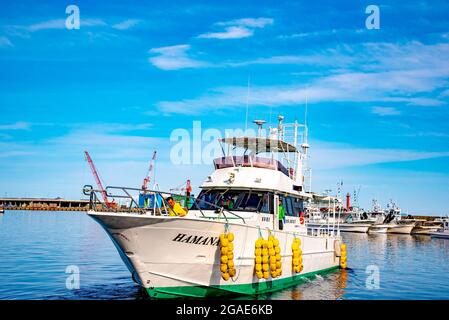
[[247, 104], [259, 125]]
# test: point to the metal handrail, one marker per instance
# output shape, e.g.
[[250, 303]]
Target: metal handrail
[[94, 199]]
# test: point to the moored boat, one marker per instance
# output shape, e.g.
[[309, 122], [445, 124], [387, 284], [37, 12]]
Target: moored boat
[[442, 233], [426, 227], [247, 195]]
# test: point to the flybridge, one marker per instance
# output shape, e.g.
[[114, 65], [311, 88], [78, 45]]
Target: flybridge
[[278, 151]]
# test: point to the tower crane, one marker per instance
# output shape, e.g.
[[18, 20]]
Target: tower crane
[[148, 176], [109, 204]]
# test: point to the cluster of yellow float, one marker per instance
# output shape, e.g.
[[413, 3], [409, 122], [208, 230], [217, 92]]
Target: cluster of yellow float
[[268, 258], [343, 256], [227, 267], [296, 256]]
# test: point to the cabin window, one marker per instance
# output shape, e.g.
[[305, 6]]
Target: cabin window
[[298, 206], [290, 211], [234, 200], [267, 204]]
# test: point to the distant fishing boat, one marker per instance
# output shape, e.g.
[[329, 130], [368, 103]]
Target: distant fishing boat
[[426, 227], [443, 232]]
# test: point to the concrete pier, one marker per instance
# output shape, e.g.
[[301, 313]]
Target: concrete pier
[[47, 204], [56, 204]]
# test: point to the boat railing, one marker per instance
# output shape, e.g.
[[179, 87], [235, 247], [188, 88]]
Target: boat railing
[[157, 198], [250, 161]]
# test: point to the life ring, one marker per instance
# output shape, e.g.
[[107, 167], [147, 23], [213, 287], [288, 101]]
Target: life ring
[[301, 220]]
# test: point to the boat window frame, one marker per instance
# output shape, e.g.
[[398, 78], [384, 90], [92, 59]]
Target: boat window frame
[[243, 195]]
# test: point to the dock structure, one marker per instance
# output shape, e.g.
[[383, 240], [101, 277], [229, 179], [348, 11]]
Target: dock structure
[[57, 204], [47, 204]]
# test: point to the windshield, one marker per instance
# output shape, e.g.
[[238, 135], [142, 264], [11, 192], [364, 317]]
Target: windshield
[[234, 200]]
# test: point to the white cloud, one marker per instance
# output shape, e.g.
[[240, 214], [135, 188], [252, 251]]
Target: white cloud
[[229, 33], [60, 24], [5, 42], [174, 58], [248, 22], [409, 74], [16, 126], [127, 24], [385, 111], [237, 29], [334, 155]]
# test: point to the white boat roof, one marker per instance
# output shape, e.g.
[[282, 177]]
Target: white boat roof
[[260, 144]]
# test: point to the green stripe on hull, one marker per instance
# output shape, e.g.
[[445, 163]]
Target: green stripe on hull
[[232, 289]]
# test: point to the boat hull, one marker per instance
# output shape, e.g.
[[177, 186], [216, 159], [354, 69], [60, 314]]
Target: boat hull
[[172, 256], [407, 229], [343, 227], [425, 230], [440, 235]]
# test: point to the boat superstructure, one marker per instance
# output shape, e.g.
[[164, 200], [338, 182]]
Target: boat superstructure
[[443, 232], [246, 193]]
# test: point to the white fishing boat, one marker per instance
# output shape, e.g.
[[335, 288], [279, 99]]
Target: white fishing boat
[[393, 222], [327, 213], [173, 256], [424, 227], [442, 233]]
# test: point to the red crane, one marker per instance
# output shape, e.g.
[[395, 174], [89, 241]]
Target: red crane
[[98, 181], [148, 176]]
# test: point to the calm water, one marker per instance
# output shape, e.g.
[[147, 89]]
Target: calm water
[[37, 247]]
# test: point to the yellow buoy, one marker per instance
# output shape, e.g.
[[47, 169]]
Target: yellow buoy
[[232, 272], [278, 257], [273, 259], [225, 276], [265, 252], [230, 236], [264, 244], [265, 267], [278, 265], [223, 267], [277, 249], [230, 256], [224, 242], [224, 259], [266, 275], [273, 266], [258, 252], [230, 264], [270, 244], [276, 242], [259, 243], [222, 237], [258, 267], [224, 250], [271, 252], [258, 259], [230, 246], [265, 259], [259, 274]]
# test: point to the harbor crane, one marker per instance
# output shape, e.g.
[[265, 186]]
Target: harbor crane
[[109, 204], [187, 188], [148, 176]]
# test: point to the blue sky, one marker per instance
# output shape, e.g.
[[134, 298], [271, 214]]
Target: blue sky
[[135, 71]]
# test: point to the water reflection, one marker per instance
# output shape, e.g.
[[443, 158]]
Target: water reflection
[[37, 247]]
